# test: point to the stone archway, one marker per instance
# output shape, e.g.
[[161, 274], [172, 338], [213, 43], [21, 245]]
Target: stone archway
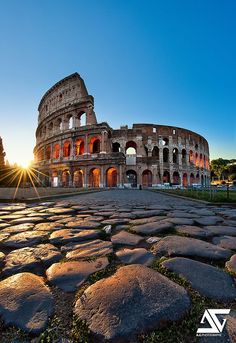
[[131, 176], [192, 179], [147, 178], [65, 178], [78, 178], [166, 177], [185, 179], [111, 177], [94, 177], [176, 178]]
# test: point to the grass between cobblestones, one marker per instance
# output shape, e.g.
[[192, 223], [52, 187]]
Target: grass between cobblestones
[[211, 196], [182, 331], [185, 330], [64, 324]]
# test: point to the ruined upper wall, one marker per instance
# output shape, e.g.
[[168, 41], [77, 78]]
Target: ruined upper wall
[[68, 91], [177, 135]]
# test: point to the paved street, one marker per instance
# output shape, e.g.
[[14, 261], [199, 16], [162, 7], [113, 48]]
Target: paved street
[[130, 198], [100, 265]]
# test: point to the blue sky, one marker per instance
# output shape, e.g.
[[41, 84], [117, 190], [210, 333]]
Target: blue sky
[[164, 62]]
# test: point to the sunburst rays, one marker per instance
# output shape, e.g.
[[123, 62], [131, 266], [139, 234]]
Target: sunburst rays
[[18, 176]]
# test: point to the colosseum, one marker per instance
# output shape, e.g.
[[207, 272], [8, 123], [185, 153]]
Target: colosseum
[[74, 150]]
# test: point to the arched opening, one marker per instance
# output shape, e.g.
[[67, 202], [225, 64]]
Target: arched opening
[[79, 147], [131, 148], [131, 178], [48, 152], [65, 178], [94, 178], [50, 129], [78, 178], [196, 160], [204, 161], [55, 182], [111, 177], [202, 180], [166, 177], [116, 147], [185, 180], [201, 161], [176, 178], [82, 119], [191, 179], [147, 178], [146, 150], [175, 155], [205, 181], [196, 146], [184, 154], [197, 178], [191, 157], [165, 155], [155, 152], [165, 141], [66, 149], [70, 123], [56, 151], [94, 145]]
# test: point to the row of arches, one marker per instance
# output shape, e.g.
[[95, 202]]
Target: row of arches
[[131, 178], [94, 146], [66, 151], [94, 179], [68, 122], [200, 160]]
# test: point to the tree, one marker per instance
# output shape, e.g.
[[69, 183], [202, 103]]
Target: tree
[[232, 171], [220, 167]]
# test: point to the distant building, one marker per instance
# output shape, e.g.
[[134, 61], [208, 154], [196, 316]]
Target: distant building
[[2, 154], [73, 149]]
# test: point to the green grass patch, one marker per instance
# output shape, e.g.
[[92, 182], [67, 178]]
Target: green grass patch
[[205, 194], [184, 330]]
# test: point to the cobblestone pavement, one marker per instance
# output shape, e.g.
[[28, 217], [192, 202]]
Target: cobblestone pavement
[[113, 265]]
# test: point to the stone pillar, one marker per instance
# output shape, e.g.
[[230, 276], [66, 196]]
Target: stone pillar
[[161, 163], [171, 159], [90, 116], [103, 142], [187, 158], [139, 177], [70, 178], [154, 175], [65, 124], [59, 178], [181, 178], [120, 183], [86, 177], [86, 145], [102, 177], [122, 147], [61, 150]]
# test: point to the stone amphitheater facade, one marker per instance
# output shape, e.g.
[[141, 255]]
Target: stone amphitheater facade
[[74, 150]]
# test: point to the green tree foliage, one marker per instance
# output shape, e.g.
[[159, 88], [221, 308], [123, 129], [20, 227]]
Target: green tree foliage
[[224, 169]]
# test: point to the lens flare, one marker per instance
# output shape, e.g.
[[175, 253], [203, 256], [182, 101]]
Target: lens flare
[[23, 176]]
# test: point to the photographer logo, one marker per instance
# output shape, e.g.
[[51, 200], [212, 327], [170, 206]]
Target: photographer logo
[[216, 326]]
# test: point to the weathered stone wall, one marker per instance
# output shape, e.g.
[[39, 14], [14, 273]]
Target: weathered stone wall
[[88, 154]]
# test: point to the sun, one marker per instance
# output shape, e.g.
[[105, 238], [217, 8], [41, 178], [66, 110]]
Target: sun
[[24, 164]]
